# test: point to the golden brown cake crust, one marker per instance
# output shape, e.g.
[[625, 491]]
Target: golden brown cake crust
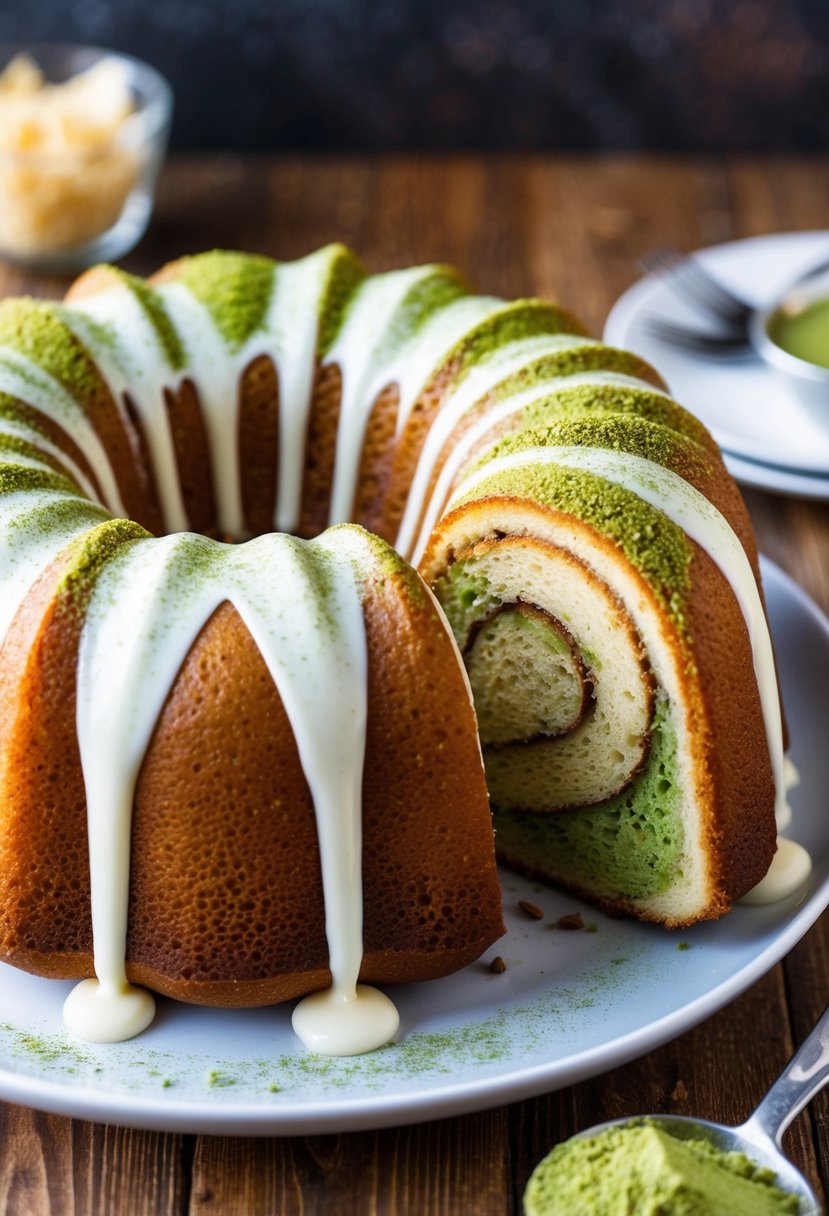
[[44, 866], [320, 451], [226, 901], [259, 442]]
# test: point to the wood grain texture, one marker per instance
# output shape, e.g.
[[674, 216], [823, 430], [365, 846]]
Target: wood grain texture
[[52, 1166], [573, 228], [442, 1169]]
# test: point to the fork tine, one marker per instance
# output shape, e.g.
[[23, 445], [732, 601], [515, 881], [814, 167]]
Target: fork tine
[[717, 345], [688, 277], [718, 299]]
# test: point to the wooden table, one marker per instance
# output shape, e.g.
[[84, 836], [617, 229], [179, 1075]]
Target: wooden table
[[571, 228]]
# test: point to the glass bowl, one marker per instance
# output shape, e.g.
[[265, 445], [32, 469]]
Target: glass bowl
[[63, 208]]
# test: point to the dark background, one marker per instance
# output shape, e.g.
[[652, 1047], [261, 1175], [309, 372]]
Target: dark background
[[469, 74]]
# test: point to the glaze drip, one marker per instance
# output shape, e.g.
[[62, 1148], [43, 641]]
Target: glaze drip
[[146, 610]]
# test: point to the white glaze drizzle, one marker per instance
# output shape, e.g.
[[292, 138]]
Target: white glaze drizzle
[[18, 429], [215, 371], [429, 348], [348, 1017], [132, 359], [357, 352], [128, 352], [702, 522], [367, 368], [792, 779], [482, 379], [28, 551], [790, 867], [24, 380], [445, 424], [295, 328], [288, 336], [147, 607], [27, 460]]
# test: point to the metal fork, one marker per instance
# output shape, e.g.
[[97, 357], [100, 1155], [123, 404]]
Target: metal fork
[[689, 278], [733, 342]]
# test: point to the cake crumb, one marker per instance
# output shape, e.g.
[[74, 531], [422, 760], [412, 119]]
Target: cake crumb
[[572, 920], [679, 1093], [497, 966], [531, 910]]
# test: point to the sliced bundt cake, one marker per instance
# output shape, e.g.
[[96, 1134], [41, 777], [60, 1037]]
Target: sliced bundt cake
[[272, 741]]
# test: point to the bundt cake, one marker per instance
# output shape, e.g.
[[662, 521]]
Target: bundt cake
[[270, 735]]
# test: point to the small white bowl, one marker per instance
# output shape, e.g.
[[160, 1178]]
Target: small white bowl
[[63, 211], [809, 380]]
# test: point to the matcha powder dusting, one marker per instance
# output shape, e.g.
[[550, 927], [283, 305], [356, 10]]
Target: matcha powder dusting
[[637, 1169]]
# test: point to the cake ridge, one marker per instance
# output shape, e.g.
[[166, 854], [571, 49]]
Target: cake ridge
[[20, 379], [429, 490], [235, 288], [173, 585], [384, 316]]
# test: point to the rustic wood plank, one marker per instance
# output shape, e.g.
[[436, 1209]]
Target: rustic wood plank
[[806, 969], [795, 534], [52, 1166], [591, 221], [36, 1171], [207, 202], [786, 193], [444, 1169], [314, 202]]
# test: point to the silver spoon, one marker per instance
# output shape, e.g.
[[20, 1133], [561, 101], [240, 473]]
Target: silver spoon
[[761, 1134]]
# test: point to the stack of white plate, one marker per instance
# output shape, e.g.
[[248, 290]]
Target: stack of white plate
[[769, 438]]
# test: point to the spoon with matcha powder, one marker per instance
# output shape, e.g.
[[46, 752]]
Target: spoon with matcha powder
[[673, 1164]]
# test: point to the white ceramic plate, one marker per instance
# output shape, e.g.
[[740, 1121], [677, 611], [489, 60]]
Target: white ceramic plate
[[752, 413], [777, 481], [570, 1004]]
